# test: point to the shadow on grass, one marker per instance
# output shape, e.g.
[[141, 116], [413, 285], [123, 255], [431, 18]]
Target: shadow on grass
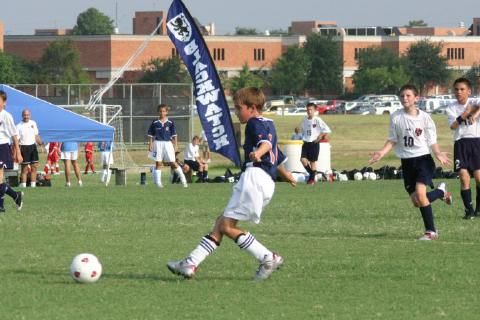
[[66, 279], [331, 235]]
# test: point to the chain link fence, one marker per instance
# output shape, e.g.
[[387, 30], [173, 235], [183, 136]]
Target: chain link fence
[[139, 103]]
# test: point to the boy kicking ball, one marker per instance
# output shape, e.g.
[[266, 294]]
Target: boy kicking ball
[[413, 133], [251, 194]]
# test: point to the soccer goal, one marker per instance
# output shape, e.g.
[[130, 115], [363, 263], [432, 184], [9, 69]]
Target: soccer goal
[[110, 115]]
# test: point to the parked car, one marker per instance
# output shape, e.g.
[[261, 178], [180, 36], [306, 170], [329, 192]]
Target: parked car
[[299, 111], [341, 108], [387, 107], [278, 101], [329, 107], [363, 108], [441, 109]]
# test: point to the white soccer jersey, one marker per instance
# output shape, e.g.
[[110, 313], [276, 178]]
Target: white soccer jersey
[[463, 130], [27, 132], [413, 135], [312, 128], [191, 152], [7, 127]]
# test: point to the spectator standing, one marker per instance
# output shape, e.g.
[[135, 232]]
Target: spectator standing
[[28, 139], [69, 155]]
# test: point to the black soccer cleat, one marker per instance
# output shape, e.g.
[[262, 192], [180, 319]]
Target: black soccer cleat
[[469, 215], [19, 200]]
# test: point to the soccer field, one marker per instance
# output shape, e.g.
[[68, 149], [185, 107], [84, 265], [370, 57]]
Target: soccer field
[[349, 249]]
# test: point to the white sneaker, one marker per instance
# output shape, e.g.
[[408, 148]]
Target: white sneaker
[[447, 196], [185, 185], [429, 236], [267, 267], [67, 184], [183, 268], [80, 183]]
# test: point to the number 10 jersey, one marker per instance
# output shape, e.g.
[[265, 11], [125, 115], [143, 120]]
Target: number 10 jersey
[[413, 134]]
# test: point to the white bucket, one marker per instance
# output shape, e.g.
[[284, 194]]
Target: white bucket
[[293, 150]]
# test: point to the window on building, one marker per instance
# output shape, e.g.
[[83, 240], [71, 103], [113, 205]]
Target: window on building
[[361, 31], [455, 53], [351, 32], [259, 54], [371, 31], [219, 54]]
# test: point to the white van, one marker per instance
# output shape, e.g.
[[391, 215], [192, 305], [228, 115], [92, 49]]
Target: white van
[[387, 107]]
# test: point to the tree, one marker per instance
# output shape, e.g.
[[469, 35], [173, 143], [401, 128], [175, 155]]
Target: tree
[[416, 23], [473, 74], [60, 63], [164, 71], [380, 70], [93, 22], [380, 80], [279, 32], [426, 65], [242, 31], [325, 73], [245, 78], [289, 73], [13, 69]]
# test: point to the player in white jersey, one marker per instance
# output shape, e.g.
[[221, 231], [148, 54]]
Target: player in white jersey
[[314, 130], [463, 119], [8, 132], [413, 133], [191, 157], [28, 139]]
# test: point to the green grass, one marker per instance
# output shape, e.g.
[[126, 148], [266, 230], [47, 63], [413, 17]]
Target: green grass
[[349, 249], [353, 137]]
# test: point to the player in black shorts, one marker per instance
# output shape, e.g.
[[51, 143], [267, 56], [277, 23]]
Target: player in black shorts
[[463, 119]]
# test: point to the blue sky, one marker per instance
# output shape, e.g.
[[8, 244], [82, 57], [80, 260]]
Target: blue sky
[[227, 14]]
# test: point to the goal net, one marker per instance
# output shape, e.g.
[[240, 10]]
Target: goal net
[[112, 116]]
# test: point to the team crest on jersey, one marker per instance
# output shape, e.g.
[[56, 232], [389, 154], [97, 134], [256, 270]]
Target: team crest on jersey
[[418, 132], [270, 137], [166, 129], [314, 125], [180, 27], [31, 126]]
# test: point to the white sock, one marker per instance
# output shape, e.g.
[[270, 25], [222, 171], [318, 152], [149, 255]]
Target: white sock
[[250, 244], [181, 175], [202, 251], [33, 184], [157, 176], [109, 175], [23, 185]]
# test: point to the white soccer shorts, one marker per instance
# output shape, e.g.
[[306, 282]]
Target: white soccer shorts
[[162, 151], [69, 155], [250, 195], [105, 155]]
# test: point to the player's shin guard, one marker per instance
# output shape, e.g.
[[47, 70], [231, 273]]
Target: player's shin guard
[[157, 177], [250, 244], [427, 215], [477, 198], [467, 199], [206, 246], [45, 169], [179, 171]]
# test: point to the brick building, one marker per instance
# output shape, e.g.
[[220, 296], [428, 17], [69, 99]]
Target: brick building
[[101, 56], [1, 36]]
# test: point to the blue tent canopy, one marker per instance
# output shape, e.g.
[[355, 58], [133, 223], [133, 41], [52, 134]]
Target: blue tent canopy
[[55, 123]]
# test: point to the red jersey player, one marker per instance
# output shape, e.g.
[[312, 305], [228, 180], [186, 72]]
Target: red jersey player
[[89, 157], [52, 159]]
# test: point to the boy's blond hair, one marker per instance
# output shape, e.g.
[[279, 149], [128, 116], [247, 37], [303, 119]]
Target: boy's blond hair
[[250, 97]]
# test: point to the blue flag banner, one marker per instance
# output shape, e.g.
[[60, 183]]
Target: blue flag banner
[[211, 104]]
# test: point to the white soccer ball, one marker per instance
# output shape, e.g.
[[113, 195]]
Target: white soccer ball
[[357, 176], [372, 176], [342, 177], [366, 175], [85, 268]]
